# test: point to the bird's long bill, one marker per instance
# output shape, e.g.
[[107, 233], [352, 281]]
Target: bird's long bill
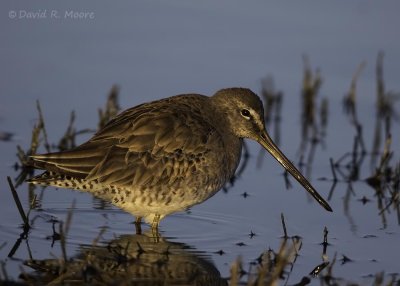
[[270, 146]]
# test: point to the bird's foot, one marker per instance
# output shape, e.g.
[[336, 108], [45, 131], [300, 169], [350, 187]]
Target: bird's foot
[[138, 225]]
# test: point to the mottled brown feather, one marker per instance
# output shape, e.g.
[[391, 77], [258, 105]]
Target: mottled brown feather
[[143, 146]]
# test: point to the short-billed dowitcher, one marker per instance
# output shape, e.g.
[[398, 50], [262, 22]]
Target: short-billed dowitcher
[[165, 156]]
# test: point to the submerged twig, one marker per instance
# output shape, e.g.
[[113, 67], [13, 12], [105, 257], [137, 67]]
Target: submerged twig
[[284, 226], [325, 243], [63, 230], [42, 128], [236, 270], [18, 203], [349, 100], [272, 112], [313, 131], [3, 271], [111, 109], [325, 262], [385, 110], [6, 136], [333, 170], [26, 163]]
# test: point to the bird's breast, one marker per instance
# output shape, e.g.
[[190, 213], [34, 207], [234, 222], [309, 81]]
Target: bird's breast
[[221, 163]]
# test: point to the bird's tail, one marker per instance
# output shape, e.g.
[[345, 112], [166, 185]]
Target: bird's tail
[[48, 178]]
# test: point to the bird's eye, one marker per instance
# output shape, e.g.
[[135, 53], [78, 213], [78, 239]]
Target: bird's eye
[[245, 113]]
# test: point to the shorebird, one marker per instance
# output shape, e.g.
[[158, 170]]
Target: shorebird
[[167, 155]]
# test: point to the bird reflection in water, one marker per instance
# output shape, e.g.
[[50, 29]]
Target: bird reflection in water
[[129, 260]]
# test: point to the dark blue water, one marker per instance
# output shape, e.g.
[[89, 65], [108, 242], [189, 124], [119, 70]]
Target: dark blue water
[[153, 50]]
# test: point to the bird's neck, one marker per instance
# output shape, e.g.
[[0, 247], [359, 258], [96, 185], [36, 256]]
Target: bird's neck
[[232, 143]]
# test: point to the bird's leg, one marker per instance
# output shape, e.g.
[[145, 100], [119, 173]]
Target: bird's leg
[[154, 226], [156, 221], [138, 225]]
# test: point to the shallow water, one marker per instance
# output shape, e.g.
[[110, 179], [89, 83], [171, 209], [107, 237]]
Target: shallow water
[[155, 50]]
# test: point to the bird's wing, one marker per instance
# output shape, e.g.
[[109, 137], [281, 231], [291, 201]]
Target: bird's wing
[[142, 146]]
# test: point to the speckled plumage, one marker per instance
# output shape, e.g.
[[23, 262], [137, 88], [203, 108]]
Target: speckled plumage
[[167, 155]]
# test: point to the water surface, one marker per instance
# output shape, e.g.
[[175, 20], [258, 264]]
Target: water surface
[[153, 50]]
